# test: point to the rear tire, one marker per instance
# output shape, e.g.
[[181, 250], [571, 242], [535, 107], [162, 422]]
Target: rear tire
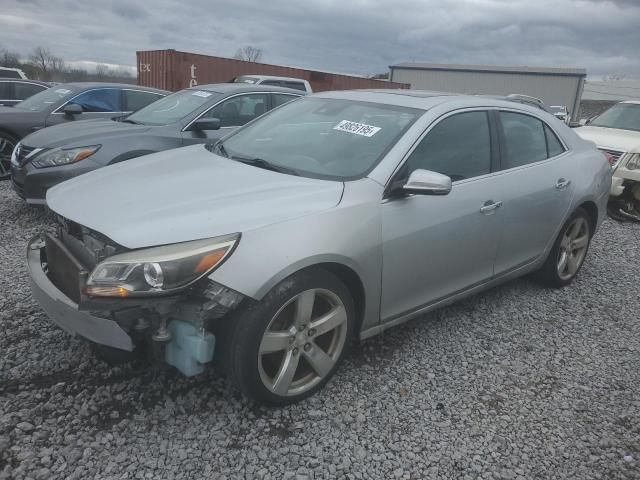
[[287, 346], [7, 143], [568, 252]]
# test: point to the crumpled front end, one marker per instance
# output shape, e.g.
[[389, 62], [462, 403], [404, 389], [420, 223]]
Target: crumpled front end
[[180, 323]]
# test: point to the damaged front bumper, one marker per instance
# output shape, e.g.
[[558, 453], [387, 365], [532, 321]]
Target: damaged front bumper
[[185, 319], [65, 312]]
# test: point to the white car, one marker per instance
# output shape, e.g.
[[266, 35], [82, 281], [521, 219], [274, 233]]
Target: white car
[[287, 82], [616, 132], [561, 112]]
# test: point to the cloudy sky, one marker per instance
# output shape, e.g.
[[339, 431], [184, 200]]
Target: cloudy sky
[[351, 36]]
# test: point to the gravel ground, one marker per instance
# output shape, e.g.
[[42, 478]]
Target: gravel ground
[[519, 382]]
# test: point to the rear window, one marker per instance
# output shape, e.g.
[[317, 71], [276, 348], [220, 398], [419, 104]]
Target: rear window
[[295, 85], [6, 73]]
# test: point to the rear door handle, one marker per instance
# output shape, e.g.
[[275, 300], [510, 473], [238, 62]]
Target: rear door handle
[[562, 183], [489, 206]]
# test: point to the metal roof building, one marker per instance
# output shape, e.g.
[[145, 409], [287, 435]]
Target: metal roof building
[[554, 86]]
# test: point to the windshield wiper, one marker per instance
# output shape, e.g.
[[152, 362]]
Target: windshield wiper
[[220, 147], [261, 163]]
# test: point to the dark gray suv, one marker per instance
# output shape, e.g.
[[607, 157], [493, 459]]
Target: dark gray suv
[[196, 115]]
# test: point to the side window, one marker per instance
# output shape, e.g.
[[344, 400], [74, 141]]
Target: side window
[[239, 110], [135, 99], [25, 90], [296, 85], [459, 146], [554, 147], [6, 91], [100, 100], [281, 99], [524, 139], [273, 83]]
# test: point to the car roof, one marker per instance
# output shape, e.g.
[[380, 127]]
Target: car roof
[[424, 99], [86, 85], [244, 87], [24, 80]]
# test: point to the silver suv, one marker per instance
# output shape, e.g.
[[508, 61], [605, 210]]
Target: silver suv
[[328, 220]]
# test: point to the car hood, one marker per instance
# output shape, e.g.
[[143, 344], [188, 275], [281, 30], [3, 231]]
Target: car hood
[[612, 138], [82, 133], [186, 194]]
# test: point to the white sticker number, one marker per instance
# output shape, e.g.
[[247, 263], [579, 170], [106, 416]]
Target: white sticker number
[[357, 128]]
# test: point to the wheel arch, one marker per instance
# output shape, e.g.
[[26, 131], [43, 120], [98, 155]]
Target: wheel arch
[[341, 267], [592, 211], [4, 129]]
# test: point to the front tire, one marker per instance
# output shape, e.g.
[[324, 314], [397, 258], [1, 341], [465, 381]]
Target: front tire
[[287, 346], [568, 252], [7, 143]]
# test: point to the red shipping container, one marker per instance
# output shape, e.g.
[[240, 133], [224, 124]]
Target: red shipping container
[[173, 70]]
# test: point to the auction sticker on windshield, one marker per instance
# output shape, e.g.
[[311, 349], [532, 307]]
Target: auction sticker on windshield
[[200, 93], [357, 128]]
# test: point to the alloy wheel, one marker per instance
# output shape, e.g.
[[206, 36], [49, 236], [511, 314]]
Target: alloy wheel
[[573, 248], [302, 342], [6, 149]]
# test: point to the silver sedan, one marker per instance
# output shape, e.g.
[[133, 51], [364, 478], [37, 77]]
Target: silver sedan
[[326, 221]]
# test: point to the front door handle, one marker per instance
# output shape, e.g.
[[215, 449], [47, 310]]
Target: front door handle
[[562, 183], [489, 206]]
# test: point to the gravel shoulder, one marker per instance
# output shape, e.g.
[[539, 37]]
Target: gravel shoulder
[[515, 383]]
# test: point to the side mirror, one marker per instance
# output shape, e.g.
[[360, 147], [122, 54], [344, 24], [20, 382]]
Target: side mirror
[[424, 182], [72, 109], [206, 124]]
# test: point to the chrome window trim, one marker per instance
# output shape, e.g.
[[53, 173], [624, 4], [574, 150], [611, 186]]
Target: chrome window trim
[[439, 119], [224, 100], [490, 174]]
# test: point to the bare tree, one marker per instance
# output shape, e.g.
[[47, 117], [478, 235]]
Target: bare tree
[[249, 54], [9, 59], [46, 64], [102, 71]]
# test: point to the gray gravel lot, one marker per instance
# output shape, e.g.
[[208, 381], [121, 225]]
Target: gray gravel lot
[[519, 382]]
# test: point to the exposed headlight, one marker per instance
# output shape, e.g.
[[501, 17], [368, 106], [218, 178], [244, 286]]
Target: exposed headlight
[[158, 270], [64, 156], [634, 162]]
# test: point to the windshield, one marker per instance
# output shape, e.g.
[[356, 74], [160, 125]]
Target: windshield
[[323, 138], [46, 99], [172, 108], [625, 116]]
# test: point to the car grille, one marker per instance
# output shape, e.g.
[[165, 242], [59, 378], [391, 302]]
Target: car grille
[[616, 154], [23, 154]]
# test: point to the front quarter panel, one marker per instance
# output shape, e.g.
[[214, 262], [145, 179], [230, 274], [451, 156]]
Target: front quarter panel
[[348, 234]]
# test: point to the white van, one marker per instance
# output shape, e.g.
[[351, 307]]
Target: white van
[[6, 72]]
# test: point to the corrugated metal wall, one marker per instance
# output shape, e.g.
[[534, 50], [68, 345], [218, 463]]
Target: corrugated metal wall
[[551, 89], [172, 70]]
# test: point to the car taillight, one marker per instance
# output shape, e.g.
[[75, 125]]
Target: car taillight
[[610, 158]]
